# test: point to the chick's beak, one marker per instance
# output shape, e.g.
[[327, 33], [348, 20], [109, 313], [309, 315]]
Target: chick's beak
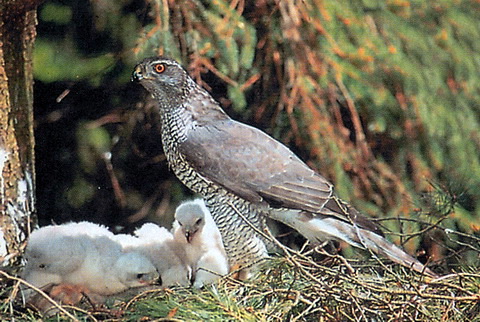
[[150, 278], [188, 236]]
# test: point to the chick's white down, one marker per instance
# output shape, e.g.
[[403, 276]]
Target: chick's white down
[[167, 255], [196, 230], [87, 255]]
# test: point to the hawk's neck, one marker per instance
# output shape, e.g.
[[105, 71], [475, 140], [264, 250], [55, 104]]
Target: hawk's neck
[[197, 108]]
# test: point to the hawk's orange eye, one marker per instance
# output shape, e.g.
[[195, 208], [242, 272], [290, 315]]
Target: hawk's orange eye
[[159, 68]]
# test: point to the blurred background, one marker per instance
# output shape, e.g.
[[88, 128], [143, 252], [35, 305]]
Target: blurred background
[[381, 97]]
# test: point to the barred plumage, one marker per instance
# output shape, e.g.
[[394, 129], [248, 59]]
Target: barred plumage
[[246, 176]]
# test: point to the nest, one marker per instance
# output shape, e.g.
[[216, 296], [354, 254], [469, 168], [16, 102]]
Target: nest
[[294, 287]]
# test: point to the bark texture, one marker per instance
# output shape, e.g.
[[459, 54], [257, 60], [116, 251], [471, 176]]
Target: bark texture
[[17, 183]]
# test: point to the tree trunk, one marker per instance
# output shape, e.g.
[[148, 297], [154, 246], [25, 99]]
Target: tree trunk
[[17, 181]]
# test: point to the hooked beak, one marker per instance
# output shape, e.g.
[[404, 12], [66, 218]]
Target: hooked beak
[[138, 74]]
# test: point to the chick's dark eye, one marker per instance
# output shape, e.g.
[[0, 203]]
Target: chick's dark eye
[[199, 220], [159, 68], [140, 276]]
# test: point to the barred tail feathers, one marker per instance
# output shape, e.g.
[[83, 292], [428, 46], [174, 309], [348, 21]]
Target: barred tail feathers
[[318, 229]]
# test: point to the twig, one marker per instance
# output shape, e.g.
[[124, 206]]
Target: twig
[[450, 231], [42, 293]]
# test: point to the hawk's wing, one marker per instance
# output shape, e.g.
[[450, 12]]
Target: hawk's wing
[[254, 166]]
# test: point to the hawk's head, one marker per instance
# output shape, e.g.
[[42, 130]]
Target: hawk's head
[[161, 76]]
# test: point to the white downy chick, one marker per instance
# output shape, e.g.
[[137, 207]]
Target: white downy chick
[[195, 228], [86, 255], [165, 253]]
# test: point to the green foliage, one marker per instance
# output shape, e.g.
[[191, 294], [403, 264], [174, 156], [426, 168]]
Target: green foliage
[[238, 98], [93, 142], [56, 13], [191, 305], [58, 62], [80, 192]]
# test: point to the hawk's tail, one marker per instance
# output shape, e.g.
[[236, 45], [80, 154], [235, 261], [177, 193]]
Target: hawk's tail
[[318, 228]]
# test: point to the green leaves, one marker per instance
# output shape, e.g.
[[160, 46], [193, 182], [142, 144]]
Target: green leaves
[[237, 97], [60, 62], [56, 13]]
